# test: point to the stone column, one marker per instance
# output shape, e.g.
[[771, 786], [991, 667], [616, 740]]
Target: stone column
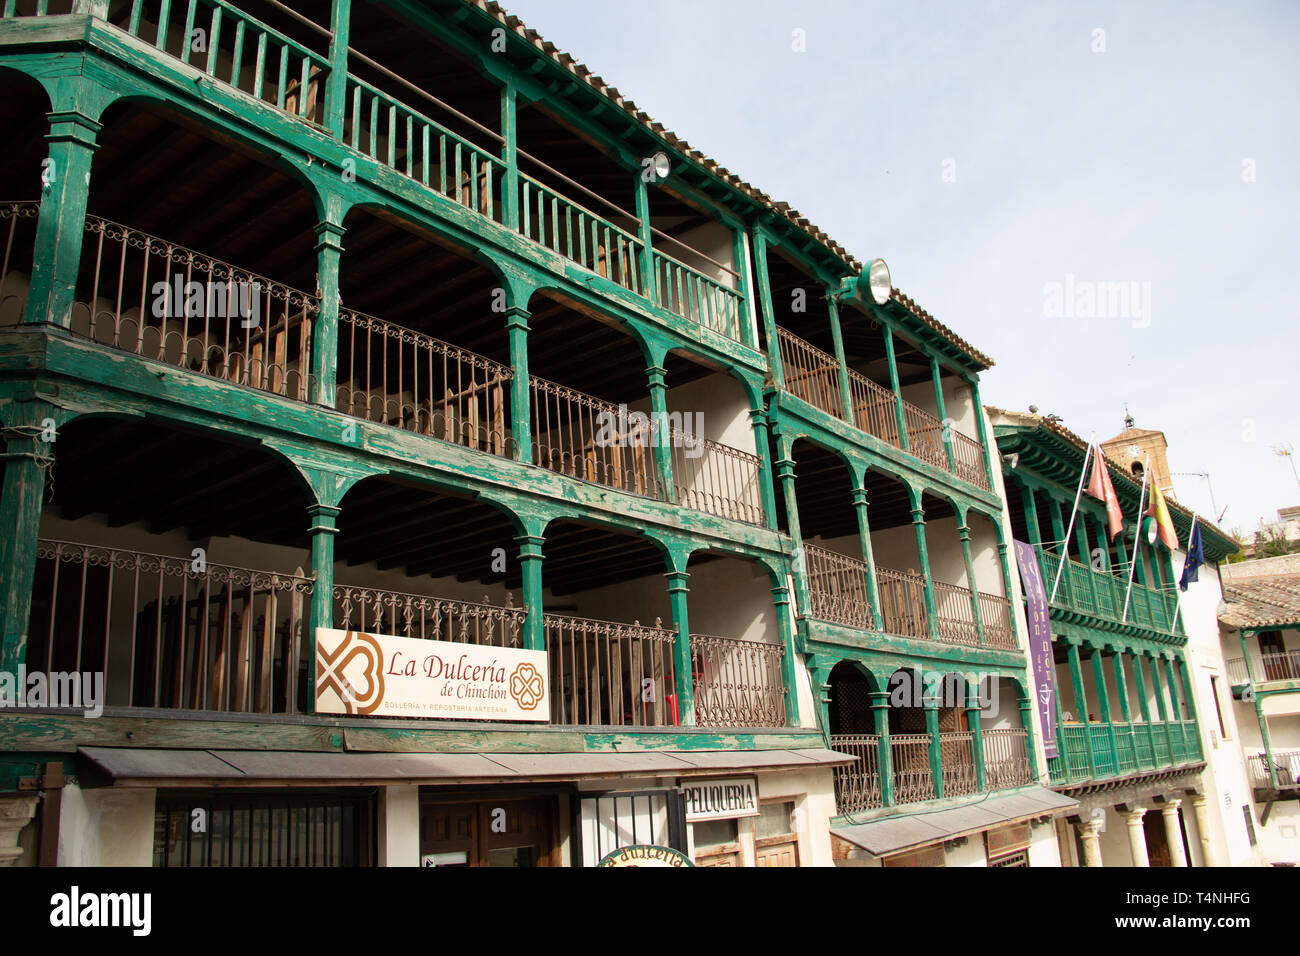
[[15, 812], [1174, 833], [1090, 834], [1137, 838], [1201, 810]]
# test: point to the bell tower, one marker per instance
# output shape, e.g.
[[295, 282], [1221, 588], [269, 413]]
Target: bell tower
[[1135, 446]]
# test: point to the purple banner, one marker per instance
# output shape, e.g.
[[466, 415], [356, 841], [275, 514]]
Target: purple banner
[[1040, 643]]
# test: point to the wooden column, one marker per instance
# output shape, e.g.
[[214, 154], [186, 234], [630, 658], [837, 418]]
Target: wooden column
[[1121, 690], [931, 707], [325, 336], [61, 223], [903, 441], [977, 737], [943, 412], [785, 473], [336, 87], [923, 557], [988, 446], [322, 529], [864, 534], [1027, 722], [1031, 515], [841, 363], [781, 602], [663, 442], [530, 567], [885, 754], [758, 418], [521, 413], [1081, 703], [649, 281], [766, 311], [1103, 711], [1140, 683], [685, 688], [21, 495], [963, 532]]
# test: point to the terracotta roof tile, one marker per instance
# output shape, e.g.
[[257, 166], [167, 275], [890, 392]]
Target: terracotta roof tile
[[1262, 602]]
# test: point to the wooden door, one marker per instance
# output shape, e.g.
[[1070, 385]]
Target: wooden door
[[508, 832], [1153, 828], [448, 835]]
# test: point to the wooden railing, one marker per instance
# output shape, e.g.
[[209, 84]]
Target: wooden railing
[[694, 296], [427, 618], [398, 377], [609, 674], [995, 612], [580, 235], [837, 588], [810, 374], [236, 49], [874, 409], [910, 756], [1102, 595], [177, 633], [857, 785], [159, 300], [1137, 746], [395, 135], [737, 683], [954, 615], [1279, 665], [902, 602], [1006, 761], [925, 436]]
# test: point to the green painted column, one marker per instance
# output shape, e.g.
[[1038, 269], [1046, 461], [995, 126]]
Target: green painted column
[[977, 737], [21, 496], [336, 88], [662, 441], [781, 601], [963, 532], [530, 567], [936, 753], [923, 557], [785, 473], [1100, 525], [758, 418], [1157, 686], [682, 668], [325, 336], [767, 313], [510, 152], [322, 529], [864, 535], [1027, 722], [1144, 705], [1063, 752], [1031, 515], [901, 419], [1058, 527], [1121, 691], [1103, 698], [842, 366], [61, 223], [885, 753], [739, 263], [521, 412], [1004, 559], [981, 430], [649, 281], [943, 412], [1171, 677], [1189, 700], [1081, 703], [1085, 556]]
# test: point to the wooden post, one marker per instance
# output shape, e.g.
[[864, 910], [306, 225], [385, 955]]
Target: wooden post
[[510, 153], [841, 363], [530, 567], [765, 307], [758, 417], [931, 706], [1081, 703], [325, 339], [21, 495], [903, 441], [1027, 722], [663, 441], [521, 416], [943, 413], [781, 602], [1031, 515], [963, 532], [61, 223], [785, 473], [336, 90], [323, 528], [989, 447], [885, 755], [1103, 698], [923, 557], [682, 658], [649, 281], [977, 737], [864, 533]]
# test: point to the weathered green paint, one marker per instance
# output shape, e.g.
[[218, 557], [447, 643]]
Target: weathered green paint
[[1103, 696], [885, 759], [963, 533], [931, 709], [21, 494], [1081, 702], [943, 412], [766, 311], [923, 559], [864, 535], [977, 738], [841, 364], [530, 567], [900, 418], [682, 659]]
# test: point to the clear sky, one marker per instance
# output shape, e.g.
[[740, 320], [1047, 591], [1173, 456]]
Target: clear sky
[[1006, 160]]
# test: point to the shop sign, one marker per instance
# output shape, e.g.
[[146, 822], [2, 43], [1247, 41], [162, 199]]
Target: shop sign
[[720, 799], [641, 854], [383, 676]]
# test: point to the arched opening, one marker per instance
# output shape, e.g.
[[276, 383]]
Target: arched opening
[[736, 650], [198, 254], [900, 585], [1003, 734], [853, 730], [23, 108], [172, 560], [421, 342], [990, 582], [909, 736], [609, 630], [414, 561], [850, 710]]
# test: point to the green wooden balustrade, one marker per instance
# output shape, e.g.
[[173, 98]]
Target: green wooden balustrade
[[1102, 595], [1138, 747]]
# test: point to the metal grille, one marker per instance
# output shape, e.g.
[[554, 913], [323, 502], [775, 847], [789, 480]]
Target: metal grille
[[1017, 859], [428, 618], [837, 586], [737, 683]]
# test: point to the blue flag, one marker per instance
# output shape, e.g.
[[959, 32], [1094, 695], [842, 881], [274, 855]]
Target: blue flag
[[1195, 558]]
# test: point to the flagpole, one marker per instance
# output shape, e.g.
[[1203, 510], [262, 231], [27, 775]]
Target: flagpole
[[1186, 557], [1137, 536], [1065, 545]]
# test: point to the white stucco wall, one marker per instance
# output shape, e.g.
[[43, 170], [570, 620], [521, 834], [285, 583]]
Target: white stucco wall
[[106, 827]]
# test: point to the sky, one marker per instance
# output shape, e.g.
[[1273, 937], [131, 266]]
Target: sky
[[1104, 197]]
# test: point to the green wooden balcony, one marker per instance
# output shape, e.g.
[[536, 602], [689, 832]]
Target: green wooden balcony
[[1100, 594], [1101, 751]]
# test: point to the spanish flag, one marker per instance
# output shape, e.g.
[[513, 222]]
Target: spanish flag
[[1157, 509]]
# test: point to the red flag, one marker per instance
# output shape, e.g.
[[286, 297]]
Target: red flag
[[1100, 487]]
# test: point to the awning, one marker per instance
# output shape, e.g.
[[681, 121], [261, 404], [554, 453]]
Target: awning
[[895, 834], [139, 767]]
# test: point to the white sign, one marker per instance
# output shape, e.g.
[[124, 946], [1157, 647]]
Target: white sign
[[720, 799], [382, 676]]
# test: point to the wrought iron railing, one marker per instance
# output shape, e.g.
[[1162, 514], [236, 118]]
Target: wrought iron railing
[[1006, 759], [1285, 767], [236, 49], [857, 785], [716, 478], [875, 410], [902, 602], [810, 373], [693, 295], [1102, 595], [968, 459], [609, 674], [427, 618], [910, 756], [395, 376], [18, 232], [1279, 665], [925, 436], [954, 614], [957, 760], [737, 683], [995, 613], [837, 588], [162, 301], [178, 633]]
